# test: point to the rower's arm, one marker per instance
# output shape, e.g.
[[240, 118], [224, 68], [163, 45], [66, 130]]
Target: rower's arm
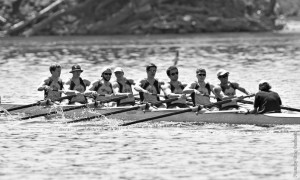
[[167, 91], [116, 89], [219, 93], [189, 89], [43, 86], [255, 105], [243, 90], [68, 91], [139, 88]]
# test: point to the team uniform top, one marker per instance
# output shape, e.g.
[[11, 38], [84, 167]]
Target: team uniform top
[[55, 85], [103, 88], [80, 87]]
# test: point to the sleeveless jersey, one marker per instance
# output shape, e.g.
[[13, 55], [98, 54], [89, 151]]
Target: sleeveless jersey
[[200, 99], [55, 86], [152, 88], [81, 87], [125, 88], [176, 90], [230, 92], [102, 88]]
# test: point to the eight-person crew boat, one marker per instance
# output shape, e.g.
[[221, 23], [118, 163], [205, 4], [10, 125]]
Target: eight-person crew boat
[[152, 87]]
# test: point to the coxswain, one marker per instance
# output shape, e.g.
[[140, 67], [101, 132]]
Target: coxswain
[[266, 101]]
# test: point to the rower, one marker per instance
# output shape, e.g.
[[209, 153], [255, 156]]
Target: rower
[[77, 85], [227, 90], [150, 88], [123, 86], [102, 88], [51, 85], [200, 90], [266, 101], [174, 89]]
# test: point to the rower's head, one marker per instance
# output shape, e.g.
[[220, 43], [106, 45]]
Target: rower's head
[[151, 70], [119, 73], [264, 85], [76, 70], [222, 75], [55, 70], [172, 72], [106, 73], [201, 74]]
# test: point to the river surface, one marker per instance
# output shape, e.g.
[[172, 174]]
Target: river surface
[[39, 149]]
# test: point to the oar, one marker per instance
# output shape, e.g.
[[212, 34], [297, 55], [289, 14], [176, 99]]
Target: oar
[[282, 107], [37, 103], [123, 110], [196, 108], [74, 108], [176, 59]]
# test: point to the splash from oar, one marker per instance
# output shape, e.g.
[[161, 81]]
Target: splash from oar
[[123, 110], [74, 108]]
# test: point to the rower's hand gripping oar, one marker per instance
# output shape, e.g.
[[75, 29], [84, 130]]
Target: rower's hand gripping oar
[[37, 103], [77, 107], [282, 107], [196, 108], [123, 110]]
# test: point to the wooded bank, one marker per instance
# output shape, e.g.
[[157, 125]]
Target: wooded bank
[[94, 17]]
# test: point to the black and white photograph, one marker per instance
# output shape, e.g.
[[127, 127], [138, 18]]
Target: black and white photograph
[[149, 89]]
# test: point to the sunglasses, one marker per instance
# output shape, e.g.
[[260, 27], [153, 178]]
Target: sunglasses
[[107, 74], [173, 74], [224, 76], [201, 74]]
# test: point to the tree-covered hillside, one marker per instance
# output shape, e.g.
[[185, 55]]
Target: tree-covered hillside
[[92, 17]]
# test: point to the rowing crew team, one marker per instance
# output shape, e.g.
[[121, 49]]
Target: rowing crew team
[[150, 88]]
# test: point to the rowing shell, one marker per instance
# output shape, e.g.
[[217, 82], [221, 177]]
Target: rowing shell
[[229, 117]]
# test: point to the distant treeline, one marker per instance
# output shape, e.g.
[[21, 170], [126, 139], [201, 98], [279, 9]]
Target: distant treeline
[[93, 17]]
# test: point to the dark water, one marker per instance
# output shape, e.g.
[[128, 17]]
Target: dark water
[[39, 149]]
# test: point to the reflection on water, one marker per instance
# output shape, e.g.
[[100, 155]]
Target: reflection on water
[[42, 148]]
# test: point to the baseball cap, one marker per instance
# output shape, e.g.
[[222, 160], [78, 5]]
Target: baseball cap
[[221, 72], [76, 68], [118, 69], [105, 69]]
